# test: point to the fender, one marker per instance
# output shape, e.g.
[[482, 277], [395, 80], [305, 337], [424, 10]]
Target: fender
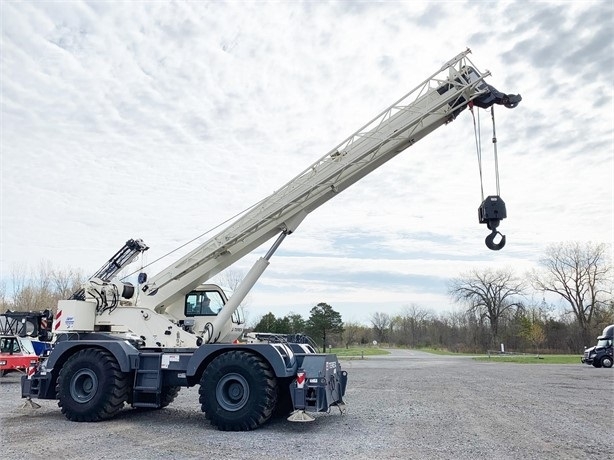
[[41, 385], [280, 358], [122, 350]]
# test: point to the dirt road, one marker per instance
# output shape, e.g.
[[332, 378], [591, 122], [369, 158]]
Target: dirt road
[[403, 406]]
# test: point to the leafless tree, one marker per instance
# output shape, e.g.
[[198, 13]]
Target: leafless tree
[[66, 281], [580, 273], [350, 333], [381, 324], [40, 289], [490, 294], [411, 324], [3, 296]]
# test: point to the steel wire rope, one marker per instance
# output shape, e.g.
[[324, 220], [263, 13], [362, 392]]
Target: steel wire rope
[[192, 240], [478, 145], [494, 143]]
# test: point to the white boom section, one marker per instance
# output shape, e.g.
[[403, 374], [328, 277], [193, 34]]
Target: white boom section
[[408, 120]]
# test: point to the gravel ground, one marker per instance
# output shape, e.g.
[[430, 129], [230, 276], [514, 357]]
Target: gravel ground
[[409, 405]]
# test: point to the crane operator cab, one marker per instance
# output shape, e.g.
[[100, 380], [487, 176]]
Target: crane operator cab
[[203, 303], [201, 307]]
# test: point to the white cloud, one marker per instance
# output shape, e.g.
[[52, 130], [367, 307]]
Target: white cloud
[[160, 120]]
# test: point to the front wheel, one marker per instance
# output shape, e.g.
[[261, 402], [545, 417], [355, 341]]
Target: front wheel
[[238, 391], [91, 386], [606, 361]]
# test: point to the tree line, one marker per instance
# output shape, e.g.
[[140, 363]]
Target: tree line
[[498, 307], [494, 306]]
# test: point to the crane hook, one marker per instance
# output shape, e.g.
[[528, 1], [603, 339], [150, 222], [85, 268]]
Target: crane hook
[[490, 240], [491, 212]]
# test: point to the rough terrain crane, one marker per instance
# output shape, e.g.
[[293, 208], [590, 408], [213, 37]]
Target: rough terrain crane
[[117, 343]]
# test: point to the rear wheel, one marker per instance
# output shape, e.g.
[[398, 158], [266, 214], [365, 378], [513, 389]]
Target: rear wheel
[[238, 391], [606, 361], [91, 386]]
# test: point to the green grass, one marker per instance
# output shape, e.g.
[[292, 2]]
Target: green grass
[[358, 351], [531, 359], [439, 351]]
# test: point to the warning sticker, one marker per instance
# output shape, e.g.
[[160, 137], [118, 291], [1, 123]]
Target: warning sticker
[[167, 359]]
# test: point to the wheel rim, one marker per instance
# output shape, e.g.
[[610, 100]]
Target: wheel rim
[[232, 392], [607, 362], [83, 385]]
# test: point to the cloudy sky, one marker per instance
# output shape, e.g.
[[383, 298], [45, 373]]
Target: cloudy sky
[[160, 120]]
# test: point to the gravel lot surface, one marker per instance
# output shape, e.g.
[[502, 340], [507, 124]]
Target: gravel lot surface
[[409, 405]]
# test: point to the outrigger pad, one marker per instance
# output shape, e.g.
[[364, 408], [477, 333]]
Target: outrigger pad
[[300, 416], [29, 404]]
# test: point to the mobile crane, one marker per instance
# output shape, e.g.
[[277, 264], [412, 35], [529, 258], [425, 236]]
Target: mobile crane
[[117, 343], [24, 338]]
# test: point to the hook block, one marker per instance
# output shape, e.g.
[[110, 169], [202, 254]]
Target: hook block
[[492, 211]]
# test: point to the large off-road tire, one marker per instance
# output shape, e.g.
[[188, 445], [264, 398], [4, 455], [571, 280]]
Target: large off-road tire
[[168, 395], [238, 391], [91, 386], [606, 361]]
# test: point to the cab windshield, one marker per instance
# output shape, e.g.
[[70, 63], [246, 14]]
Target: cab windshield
[[12, 345], [203, 303], [604, 343], [9, 345]]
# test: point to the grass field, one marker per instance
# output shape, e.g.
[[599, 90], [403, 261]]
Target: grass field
[[525, 358], [358, 352], [531, 359], [438, 351]]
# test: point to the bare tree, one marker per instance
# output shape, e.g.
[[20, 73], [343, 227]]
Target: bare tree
[[3, 297], [490, 294], [66, 282], [32, 291], [411, 323], [580, 273], [40, 289], [350, 333], [381, 323]]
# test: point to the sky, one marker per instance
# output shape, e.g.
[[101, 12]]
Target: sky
[[161, 120]]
